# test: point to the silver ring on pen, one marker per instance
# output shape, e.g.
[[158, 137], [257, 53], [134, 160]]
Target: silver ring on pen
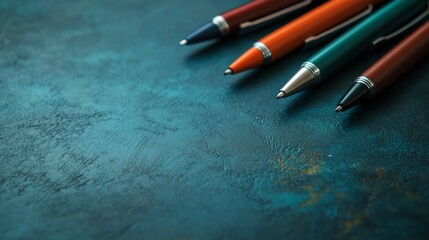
[[222, 25], [368, 83], [313, 69], [266, 53]]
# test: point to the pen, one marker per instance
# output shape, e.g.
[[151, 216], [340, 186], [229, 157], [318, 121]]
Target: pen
[[388, 69], [354, 42], [324, 19], [244, 18]]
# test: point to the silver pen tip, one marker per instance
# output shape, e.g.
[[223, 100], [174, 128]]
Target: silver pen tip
[[339, 109], [280, 95], [183, 42], [228, 72]]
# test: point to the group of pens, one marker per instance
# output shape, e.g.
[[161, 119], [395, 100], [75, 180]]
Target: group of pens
[[364, 23]]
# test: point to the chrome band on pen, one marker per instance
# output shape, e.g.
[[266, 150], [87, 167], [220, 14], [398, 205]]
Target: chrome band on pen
[[313, 69], [266, 53], [368, 83], [222, 25]]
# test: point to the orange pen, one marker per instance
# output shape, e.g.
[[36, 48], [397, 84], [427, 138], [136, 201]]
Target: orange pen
[[323, 20]]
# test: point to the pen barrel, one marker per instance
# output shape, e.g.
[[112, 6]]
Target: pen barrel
[[359, 39], [400, 59], [328, 15], [252, 11]]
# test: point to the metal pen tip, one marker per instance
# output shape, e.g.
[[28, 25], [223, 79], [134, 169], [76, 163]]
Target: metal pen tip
[[280, 95], [183, 42], [227, 72], [339, 109]]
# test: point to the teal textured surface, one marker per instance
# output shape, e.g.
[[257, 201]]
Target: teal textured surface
[[110, 130]]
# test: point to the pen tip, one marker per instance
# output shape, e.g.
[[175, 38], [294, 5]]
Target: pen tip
[[183, 42], [228, 72], [339, 109], [280, 95]]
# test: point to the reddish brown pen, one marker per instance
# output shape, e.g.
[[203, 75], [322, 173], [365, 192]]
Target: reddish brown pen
[[401, 59], [245, 18]]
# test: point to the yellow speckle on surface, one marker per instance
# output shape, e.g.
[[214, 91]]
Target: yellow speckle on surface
[[314, 196], [350, 225], [412, 194], [379, 172], [305, 163], [312, 170], [280, 163]]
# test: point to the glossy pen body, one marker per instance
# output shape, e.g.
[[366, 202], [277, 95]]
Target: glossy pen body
[[293, 35], [351, 44], [388, 69], [230, 22]]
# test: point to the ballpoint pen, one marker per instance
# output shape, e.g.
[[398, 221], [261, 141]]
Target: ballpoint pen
[[355, 41], [388, 69], [244, 18], [325, 19]]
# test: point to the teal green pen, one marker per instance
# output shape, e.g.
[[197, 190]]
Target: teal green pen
[[351, 44]]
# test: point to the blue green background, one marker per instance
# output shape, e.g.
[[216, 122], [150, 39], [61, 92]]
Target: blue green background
[[110, 130]]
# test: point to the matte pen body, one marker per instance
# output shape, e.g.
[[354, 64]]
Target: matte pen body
[[395, 64], [351, 44], [294, 34], [229, 23]]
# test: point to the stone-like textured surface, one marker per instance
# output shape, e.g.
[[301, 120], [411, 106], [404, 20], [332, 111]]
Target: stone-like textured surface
[[109, 130]]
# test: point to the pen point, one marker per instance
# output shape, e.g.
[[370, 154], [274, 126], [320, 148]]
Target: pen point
[[339, 109], [280, 95], [228, 72], [183, 42]]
